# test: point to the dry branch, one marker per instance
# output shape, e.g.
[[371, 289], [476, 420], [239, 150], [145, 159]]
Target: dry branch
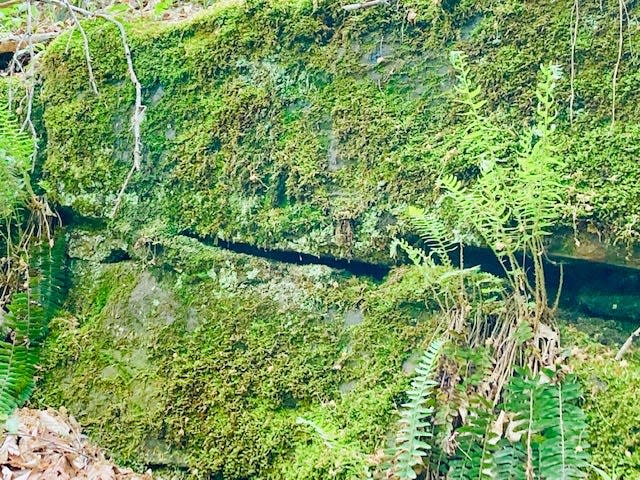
[[358, 6], [85, 46], [627, 345], [13, 43], [10, 3]]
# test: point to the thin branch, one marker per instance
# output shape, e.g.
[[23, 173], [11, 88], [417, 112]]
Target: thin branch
[[627, 345], [85, 46], [616, 70], [10, 3], [13, 43], [123, 189], [358, 6]]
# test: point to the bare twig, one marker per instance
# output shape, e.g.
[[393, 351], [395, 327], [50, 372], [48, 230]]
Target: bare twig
[[10, 3], [616, 69], [85, 46], [123, 189], [358, 6], [13, 43], [627, 345]]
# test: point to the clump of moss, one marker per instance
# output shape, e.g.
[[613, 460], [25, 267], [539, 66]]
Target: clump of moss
[[611, 389], [201, 365]]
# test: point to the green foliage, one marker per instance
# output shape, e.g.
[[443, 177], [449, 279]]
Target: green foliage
[[25, 325], [517, 197], [476, 452], [414, 434], [15, 152], [510, 207], [540, 432], [434, 232]]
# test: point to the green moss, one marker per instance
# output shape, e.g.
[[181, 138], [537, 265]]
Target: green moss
[[297, 125], [611, 391], [211, 361]]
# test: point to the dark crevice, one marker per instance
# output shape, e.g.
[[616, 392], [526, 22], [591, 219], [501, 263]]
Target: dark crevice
[[5, 60], [117, 255], [593, 288], [354, 267]]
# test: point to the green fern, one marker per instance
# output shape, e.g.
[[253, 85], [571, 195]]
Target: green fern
[[550, 419], [476, 449], [546, 439], [412, 440], [434, 232], [15, 151], [25, 325]]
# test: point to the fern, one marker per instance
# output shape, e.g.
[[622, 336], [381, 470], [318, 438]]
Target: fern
[[434, 232], [412, 440], [25, 325], [15, 151], [551, 425], [545, 436], [475, 448]]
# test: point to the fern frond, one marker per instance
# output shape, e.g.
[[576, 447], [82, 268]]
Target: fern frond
[[15, 151], [510, 462], [433, 232], [563, 453], [13, 141], [412, 439], [17, 368], [550, 417], [474, 458], [26, 323]]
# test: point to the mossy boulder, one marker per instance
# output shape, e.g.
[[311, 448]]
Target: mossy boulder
[[298, 125], [611, 390], [223, 364], [205, 363]]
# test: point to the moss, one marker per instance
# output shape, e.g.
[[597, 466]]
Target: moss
[[611, 389], [211, 362], [297, 125]]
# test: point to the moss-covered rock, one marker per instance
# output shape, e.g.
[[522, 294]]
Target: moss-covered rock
[[229, 365], [298, 125], [611, 390]]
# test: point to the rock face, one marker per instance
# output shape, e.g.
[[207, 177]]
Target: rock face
[[224, 364], [300, 126]]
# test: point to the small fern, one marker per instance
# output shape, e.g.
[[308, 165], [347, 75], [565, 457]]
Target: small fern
[[15, 151], [552, 426], [434, 232], [25, 325], [412, 439], [475, 459]]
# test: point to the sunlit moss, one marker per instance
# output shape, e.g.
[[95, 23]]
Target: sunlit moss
[[611, 389]]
